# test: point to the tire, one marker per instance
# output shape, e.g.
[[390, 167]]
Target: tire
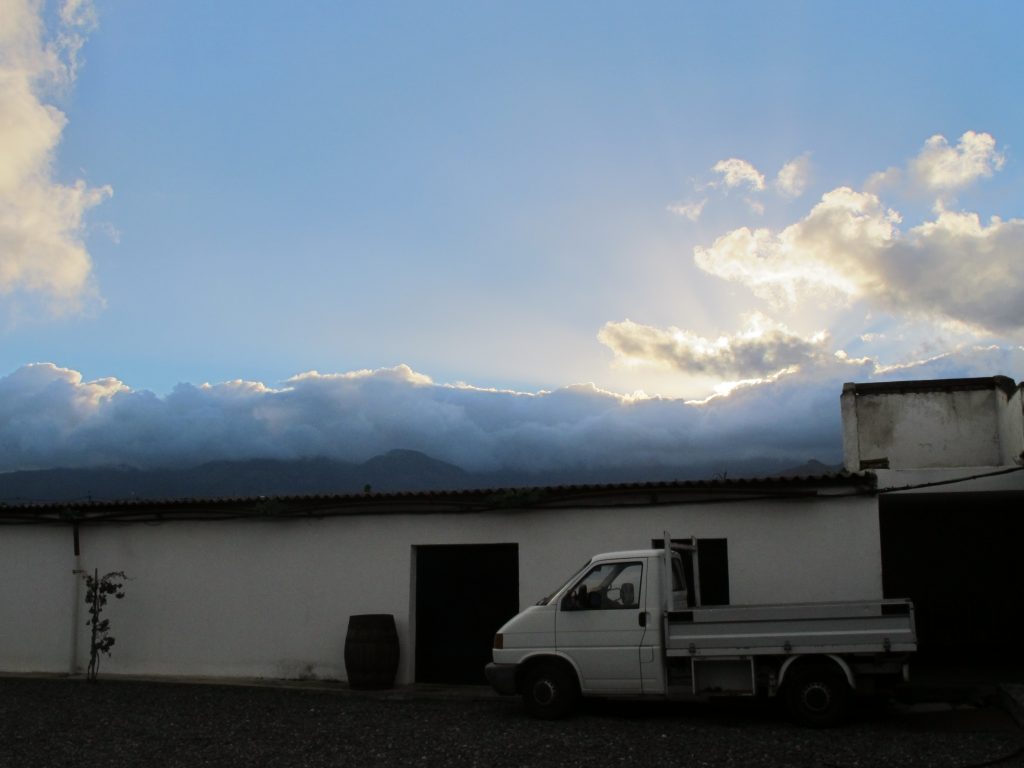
[[549, 692], [817, 695]]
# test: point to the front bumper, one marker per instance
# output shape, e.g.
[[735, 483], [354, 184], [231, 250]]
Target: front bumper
[[502, 678]]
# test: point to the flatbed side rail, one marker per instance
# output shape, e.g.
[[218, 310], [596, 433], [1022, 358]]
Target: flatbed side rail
[[851, 627]]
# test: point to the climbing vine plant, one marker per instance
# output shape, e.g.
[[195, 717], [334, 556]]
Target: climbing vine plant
[[98, 589]]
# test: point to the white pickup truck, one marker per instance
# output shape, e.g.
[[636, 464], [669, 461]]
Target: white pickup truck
[[632, 624]]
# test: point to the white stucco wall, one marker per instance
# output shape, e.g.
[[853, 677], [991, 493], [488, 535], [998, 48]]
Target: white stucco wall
[[272, 598], [37, 598]]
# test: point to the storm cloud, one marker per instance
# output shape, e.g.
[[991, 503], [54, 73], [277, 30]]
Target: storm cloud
[[50, 416]]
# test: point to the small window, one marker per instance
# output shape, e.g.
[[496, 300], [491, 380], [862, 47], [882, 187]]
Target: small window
[[608, 586], [713, 555]]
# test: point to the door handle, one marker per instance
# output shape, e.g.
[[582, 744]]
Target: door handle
[[643, 618]]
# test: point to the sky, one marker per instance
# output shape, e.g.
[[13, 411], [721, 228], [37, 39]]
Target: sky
[[506, 234]]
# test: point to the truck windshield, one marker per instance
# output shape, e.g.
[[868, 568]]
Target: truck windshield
[[546, 600]]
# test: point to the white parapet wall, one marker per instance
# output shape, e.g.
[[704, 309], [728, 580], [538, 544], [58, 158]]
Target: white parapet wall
[[944, 423]]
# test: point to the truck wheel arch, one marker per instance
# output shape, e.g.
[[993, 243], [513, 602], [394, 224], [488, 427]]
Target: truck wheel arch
[[817, 691], [813, 658], [527, 665], [549, 686]]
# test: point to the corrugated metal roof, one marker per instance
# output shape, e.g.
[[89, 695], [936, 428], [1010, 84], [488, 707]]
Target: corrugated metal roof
[[425, 502]]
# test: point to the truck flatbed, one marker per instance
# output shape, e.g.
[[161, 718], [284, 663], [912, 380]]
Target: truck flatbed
[[869, 626]]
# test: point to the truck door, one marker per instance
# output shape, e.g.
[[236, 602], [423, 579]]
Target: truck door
[[600, 625]]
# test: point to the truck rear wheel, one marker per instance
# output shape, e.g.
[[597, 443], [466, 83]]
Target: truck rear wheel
[[549, 691], [817, 695]]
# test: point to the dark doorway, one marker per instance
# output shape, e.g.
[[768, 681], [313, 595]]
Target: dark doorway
[[956, 555], [464, 593]]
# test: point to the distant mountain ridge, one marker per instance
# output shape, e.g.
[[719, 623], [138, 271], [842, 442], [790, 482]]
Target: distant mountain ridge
[[810, 469], [396, 470]]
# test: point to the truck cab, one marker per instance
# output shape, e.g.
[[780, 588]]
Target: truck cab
[[601, 627]]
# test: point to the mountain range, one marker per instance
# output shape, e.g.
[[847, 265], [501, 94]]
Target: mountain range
[[396, 470]]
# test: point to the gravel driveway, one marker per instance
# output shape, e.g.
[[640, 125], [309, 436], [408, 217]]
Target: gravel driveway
[[61, 722]]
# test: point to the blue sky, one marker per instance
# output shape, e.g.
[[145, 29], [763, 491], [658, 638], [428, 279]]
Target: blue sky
[[496, 201]]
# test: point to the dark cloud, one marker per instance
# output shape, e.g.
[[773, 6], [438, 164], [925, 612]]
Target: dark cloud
[[50, 417]]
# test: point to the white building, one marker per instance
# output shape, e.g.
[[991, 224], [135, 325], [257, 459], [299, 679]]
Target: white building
[[948, 456], [265, 587]]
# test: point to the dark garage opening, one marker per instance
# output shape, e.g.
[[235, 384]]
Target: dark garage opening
[[956, 555], [464, 593]]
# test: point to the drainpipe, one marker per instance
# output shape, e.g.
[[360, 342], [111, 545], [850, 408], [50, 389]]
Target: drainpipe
[[76, 599]]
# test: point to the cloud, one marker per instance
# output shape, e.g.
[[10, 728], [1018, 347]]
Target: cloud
[[939, 169], [761, 349], [690, 210], [791, 181], [821, 252], [42, 254], [756, 206], [942, 168], [966, 270], [78, 14], [877, 182], [954, 268], [739, 173], [51, 416], [794, 176]]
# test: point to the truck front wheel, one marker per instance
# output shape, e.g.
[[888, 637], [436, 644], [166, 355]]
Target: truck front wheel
[[549, 691], [817, 695]]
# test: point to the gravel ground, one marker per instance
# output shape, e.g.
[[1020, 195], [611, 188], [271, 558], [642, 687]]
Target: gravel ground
[[69, 722]]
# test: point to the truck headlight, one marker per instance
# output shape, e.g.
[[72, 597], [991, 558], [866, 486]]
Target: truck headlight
[[499, 641]]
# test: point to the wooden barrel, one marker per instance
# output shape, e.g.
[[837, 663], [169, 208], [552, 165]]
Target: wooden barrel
[[371, 651]]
